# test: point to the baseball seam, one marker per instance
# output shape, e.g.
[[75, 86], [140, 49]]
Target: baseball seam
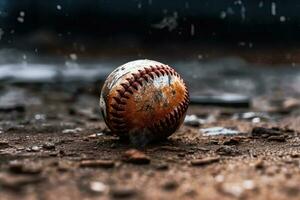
[[132, 85]]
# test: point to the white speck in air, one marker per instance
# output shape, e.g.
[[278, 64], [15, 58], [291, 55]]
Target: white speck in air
[[58, 7], [21, 17], [73, 56], [22, 14], [282, 18], [223, 15], [169, 22], [261, 4]]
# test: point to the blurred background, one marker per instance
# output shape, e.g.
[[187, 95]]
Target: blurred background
[[235, 49]]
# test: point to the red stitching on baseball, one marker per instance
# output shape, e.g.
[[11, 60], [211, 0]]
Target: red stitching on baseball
[[133, 83]]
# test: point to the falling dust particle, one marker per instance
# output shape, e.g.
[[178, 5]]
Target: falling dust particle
[[282, 19], [73, 56], [192, 30], [21, 17], [22, 14], [243, 12], [223, 15], [273, 8], [139, 5], [58, 7]]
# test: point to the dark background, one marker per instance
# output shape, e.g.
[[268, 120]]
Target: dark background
[[93, 22]]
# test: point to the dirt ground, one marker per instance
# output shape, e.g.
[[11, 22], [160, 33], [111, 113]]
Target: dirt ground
[[54, 145]]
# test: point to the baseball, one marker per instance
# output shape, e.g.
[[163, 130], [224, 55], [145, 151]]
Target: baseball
[[144, 101]]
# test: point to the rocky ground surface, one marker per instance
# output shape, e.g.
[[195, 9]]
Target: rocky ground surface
[[54, 145]]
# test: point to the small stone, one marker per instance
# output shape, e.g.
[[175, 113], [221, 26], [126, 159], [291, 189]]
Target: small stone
[[97, 163], [277, 138], [136, 157], [24, 167], [35, 148], [205, 161], [53, 154], [170, 148], [15, 166], [192, 120], [49, 146], [227, 151], [215, 131], [295, 155], [162, 166], [265, 132], [98, 187], [231, 141], [95, 135], [181, 154], [122, 192], [213, 142], [170, 185], [72, 131], [4, 144], [259, 164]]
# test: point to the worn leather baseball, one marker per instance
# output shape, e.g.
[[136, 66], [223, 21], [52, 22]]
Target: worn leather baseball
[[144, 100]]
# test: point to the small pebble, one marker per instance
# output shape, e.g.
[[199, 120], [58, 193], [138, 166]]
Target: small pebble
[[214, 131], [135, 156], [205, 161], [4, 144], [35, 148], [277, 138], [265, 132], [49, 145], [97, 163], [98, 187], [192, 120], [232, 141], [259, 164], [24, 167], [162, 166], [227, 151], [68, 131]]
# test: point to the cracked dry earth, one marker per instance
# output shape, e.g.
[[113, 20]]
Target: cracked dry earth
[[54, 145]]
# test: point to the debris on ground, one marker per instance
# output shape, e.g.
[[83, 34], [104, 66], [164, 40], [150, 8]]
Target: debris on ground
[[135, 156]]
